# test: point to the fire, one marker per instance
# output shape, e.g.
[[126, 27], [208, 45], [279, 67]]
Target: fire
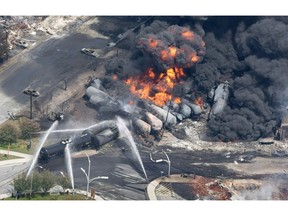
[[189, 35], [151, 74], [114, 77], [156, 88], [200, 102], [177, 100], [173, 51], [153, 43], [195, 58], [170, 52]]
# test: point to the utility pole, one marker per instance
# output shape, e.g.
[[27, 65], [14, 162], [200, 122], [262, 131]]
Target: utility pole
[[32, 93]]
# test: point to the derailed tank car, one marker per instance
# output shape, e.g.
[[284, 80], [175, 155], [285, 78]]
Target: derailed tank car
[[52, 151], [81, 142], [95, 137], [102, 137]]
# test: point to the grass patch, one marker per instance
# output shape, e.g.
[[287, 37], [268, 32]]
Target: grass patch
[[6, 157], [21, 146], [22, 142]]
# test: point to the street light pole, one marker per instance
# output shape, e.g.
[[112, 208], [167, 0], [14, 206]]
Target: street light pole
[[88, 175], [163, 160], [169, 163], [99, 177], [87, 181]]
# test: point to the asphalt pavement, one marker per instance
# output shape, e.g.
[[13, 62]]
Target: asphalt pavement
[[9, 172]]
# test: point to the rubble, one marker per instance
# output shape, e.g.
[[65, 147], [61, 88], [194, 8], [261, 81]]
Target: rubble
[[22, 29]]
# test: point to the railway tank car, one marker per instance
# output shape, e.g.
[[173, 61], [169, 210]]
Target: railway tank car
[[52, 151], [102, 135], [94, 137]]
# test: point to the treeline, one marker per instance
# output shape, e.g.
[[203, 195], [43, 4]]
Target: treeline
[[38, 182], [24, 129]]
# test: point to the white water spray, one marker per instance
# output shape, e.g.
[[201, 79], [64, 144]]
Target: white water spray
[[68, 162], [71, 130], [124, 131], [43, 140]]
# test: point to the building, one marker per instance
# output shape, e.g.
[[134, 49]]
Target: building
[[282, 132]]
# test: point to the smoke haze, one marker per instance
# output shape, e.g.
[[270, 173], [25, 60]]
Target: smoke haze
[[249, 52]]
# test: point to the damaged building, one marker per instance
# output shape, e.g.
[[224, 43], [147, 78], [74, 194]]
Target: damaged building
[[282, 133]]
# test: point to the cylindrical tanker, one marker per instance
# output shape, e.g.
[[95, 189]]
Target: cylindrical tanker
[[54, 150], [104, 137], [96, 135]]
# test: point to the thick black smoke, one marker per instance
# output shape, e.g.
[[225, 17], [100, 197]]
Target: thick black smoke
[[260, 92], [250, 53], [158, 40]]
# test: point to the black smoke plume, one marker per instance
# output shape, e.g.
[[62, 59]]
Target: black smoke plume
[[259, 84], [157, 41], [249, 52]]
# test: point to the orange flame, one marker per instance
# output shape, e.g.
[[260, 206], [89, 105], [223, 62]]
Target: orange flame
[[200, 102], [189, 35], [177, 100], [156, 88], [194, 57], [153, 43], [151, 74], [170, 52]]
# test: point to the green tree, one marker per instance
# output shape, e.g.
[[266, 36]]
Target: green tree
[[36, 182], [63, 181], [9, 134], [47, 181], [28, 127], [21, 184]]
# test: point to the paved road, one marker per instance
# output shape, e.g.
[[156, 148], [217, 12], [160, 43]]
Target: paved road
[[11, 168], [42, 67]]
